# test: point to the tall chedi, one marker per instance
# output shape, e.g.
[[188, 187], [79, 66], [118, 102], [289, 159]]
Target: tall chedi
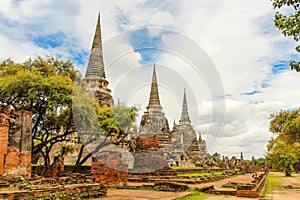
[[185, 139], [184, 131], [153, 121], [95, 73]]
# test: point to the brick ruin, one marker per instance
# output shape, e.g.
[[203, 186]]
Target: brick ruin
[[15, 142], [108, 168], [57, 168], [147, 143]]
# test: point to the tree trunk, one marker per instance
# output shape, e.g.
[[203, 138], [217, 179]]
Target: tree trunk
[[103, 144], [288, 172], [78, 159]]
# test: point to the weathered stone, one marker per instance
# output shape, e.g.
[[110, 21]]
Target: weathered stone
[[153, 121], [108, 169], [15, 142], [147, 143], [149, 162], [57, 167], [4, 130], [187, 150], [170, 186], [95, 73]]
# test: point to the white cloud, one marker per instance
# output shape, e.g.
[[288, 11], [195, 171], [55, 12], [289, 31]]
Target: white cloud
[[237, 35], [19, 51]]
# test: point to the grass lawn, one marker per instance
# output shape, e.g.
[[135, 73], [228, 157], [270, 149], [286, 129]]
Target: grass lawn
[[196, 174], [195, 196], [201, 174], [178, 167], [277, 180]]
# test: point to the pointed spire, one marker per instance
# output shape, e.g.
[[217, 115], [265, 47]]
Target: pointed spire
[[184, 119], [154, 96], [95, 70], [174, 125], [97, 37], [200, 137]]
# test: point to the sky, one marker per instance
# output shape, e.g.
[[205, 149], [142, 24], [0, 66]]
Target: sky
[[228, 55]]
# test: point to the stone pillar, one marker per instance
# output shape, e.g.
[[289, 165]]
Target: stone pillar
[[4, 130], [227, 163], [253, 161], [18, 161]]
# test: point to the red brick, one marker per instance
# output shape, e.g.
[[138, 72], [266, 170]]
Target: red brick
[[147, 143], [108, 169], [1, 164], [14, 160]]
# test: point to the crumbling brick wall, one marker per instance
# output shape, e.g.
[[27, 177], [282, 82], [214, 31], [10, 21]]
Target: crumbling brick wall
[[4, 130], [57, 168], [15, 142], [147, 143], [108, 168], [147, 162]]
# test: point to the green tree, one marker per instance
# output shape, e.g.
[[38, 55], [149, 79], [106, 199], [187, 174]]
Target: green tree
[[283, 156], [101, 126], [260, 162], [287, 125], [283, 150], [289, 24], [44, 87]]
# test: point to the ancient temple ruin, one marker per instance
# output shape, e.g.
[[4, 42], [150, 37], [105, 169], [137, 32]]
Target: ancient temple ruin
[[153, 121], [188, 150], [178, 147], [181, 147], [95, 73]]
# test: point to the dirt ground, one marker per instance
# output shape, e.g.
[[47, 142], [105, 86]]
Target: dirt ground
[[142, 195], [151, 195], [245, 178], [290, 194]]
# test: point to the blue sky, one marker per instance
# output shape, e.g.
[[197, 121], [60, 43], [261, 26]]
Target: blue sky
[[250, 55]]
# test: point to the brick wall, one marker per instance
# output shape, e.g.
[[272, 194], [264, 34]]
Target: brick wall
[[4, 129], [57, 168], [108, 168], [256, 191], [147, 162], [147, 143]]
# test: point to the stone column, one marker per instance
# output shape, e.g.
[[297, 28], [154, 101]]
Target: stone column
[[18, 159]]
